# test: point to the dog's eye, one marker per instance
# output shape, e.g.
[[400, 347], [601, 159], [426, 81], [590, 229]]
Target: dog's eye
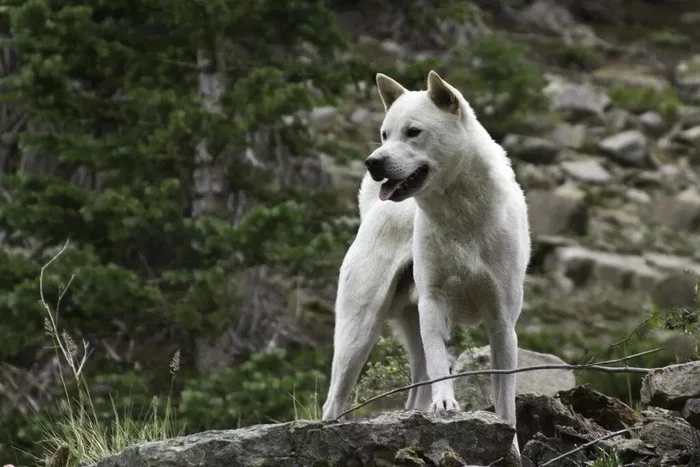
[[383, 135], [413, 132]]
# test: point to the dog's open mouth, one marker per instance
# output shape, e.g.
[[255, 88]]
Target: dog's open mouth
[[400, 189]]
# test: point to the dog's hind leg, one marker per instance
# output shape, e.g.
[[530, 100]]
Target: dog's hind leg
[[369, 274], [407, 328], [504, 356], [357, 329]]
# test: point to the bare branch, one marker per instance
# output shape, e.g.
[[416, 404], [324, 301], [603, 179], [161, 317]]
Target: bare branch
[[584, 446], [588, 367], [629, 336], [630, 357]]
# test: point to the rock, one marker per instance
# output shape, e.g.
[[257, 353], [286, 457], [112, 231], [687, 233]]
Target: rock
[[323, 118], [680, 345], [677, 290], [608, 412], [666, 432], [617, 120], [691, 136], [628, 148], [377, 440], [587, 170], [551, 17], [475, 392], [688, 74], [541, 449], [537, 413], [691, 17], [539, 177], [670, 387], [361, 116], [393, 48], [673, 263], [637, 196], [583, 265], [531, 149], [568, 136], [632, 451], [691, 412], [635, 75], [557, 212], [578, 100], [680, 212], [651, 120]]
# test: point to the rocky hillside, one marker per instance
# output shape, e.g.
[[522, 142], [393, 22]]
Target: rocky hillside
[[611, 165]]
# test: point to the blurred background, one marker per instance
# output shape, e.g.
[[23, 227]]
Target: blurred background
[[202, 160]]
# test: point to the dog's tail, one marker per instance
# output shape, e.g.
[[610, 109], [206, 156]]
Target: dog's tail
[[368, 195]]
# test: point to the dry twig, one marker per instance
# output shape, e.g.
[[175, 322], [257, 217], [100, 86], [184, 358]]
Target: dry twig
[[65, 345], [584, 446]]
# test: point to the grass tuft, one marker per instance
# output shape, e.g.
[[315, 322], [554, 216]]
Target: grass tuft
[[80, 434]]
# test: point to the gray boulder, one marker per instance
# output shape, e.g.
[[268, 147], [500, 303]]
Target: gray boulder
[[558, 212], [666, 432], [582, 265], [531, 149], [577, 100], [670, 387], [475, 392], [458, 438], [587, 171], [628, 148], [680, 212]]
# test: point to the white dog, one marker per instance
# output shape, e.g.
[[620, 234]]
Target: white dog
[[445, 238]]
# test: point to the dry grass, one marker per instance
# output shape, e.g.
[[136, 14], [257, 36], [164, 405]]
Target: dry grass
[[80, 434]]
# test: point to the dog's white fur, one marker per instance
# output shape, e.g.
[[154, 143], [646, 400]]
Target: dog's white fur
[[465, 232]]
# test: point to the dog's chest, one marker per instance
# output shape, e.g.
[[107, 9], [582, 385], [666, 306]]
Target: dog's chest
[[454, 269]]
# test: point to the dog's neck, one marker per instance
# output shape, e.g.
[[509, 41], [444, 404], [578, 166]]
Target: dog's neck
[[477, 184]]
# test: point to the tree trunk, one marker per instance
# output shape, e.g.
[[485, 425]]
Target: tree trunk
[[209, 177]]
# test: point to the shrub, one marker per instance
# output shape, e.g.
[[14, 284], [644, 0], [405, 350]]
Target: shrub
[[500, 82]]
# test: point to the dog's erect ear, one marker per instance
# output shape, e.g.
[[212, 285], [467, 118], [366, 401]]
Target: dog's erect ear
[[389, 90], [441, 94]]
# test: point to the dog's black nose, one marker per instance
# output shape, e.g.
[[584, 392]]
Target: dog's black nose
[[375, 165]]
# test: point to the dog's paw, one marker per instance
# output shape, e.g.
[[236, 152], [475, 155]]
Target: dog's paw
[[444, 404]]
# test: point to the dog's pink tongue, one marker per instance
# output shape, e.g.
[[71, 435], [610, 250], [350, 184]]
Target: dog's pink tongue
[[388, 188]]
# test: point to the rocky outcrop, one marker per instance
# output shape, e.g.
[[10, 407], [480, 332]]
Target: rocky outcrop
[[397, 438], [672, 386], [548, 426]]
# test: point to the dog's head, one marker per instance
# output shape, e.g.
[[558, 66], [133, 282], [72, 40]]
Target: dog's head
[[423, 137]]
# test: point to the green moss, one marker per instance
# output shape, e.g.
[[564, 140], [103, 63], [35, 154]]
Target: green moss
[[412, 455], [642, 98], [669, 37], [581, 57]]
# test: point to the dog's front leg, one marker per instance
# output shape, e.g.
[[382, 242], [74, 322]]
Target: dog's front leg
[[435, 332]]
